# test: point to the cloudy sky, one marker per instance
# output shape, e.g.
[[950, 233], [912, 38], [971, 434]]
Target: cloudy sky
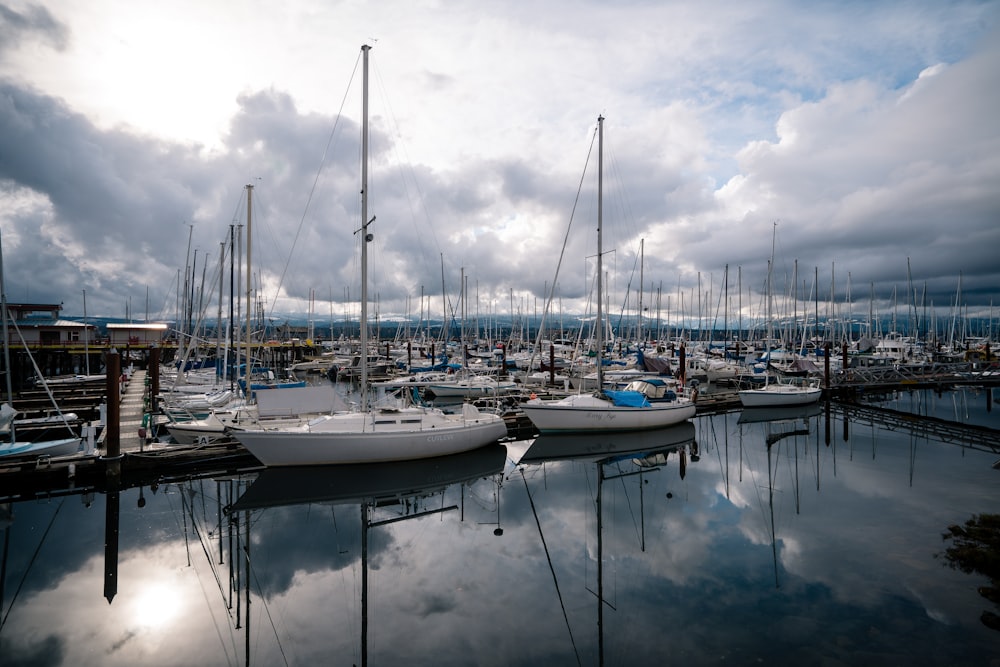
[[860, 137]]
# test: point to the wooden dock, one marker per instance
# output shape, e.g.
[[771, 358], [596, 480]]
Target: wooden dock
[[141, 462]]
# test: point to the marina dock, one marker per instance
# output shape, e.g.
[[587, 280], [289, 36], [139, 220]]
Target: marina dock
[[142, 460]]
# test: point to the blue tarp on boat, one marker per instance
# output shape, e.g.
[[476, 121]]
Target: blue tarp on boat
[[628, 399]]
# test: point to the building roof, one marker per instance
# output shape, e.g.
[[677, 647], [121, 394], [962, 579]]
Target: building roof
[[36, 322], [147, 326]]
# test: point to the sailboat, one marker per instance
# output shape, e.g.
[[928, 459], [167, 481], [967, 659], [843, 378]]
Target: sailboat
[[12, 449], [372, 434], [773, 394], [605, 410]]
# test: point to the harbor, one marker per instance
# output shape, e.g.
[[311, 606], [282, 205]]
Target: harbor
[[646, 334], [830, 515], [134, 456]]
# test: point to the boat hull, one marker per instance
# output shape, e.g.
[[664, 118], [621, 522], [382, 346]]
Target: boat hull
[[476, 390], [779, 395], [580, 414], [28, 450], [198, 431], [368, 437]]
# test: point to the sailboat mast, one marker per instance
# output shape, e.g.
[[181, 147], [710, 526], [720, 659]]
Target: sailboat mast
[[599, 336], [770, 273], [6, 345], [249, 286], [770, 320], [642, 261], [365, 237]]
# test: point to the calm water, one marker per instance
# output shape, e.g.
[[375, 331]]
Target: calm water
[[716, 549]]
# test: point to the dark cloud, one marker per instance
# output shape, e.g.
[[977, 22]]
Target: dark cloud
[[109, 205], [35, 22]]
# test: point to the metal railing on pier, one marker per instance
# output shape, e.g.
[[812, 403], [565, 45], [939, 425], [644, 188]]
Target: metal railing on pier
[[925, 375], [971, 436]]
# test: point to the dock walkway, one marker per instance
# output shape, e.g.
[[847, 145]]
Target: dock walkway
[[131, 410]]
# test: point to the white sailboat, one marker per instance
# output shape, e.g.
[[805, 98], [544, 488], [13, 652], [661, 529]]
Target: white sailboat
[[470, 385], [774, 394], [605, 410], [372, 434], [12, 449]]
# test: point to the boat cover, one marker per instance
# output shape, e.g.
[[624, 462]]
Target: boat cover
[[628, 399]]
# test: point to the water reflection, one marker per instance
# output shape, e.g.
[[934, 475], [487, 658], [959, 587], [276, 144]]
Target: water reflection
[[737, 538], [613, 458], [378, 494]]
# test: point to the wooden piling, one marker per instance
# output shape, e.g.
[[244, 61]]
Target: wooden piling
[[682, 369], [112, 458], [826, 365], [112, 440], [154, 379]]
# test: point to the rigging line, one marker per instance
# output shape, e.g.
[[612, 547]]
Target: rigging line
[[545, 546], [312, 189], [421, 200], [45, 384], [267, 609], [215, 622], [628, 292], [718, 454], [569, 226], [204, 547], [756, 487], [24, 577], [619, 194], [628, 500], [793, 471], [773, 475], [211, 560]]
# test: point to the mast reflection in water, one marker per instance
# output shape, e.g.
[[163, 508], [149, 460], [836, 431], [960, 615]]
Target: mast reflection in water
[[737, 538]]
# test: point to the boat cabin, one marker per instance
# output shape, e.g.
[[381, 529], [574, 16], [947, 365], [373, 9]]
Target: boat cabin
[[654, 389]]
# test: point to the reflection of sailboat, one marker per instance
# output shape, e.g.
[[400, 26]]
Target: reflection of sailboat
[[779, 424], [363, 482], [781, 413], [648, 450], [372, 434], [551, 446], [605, 410], [372, 486]]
